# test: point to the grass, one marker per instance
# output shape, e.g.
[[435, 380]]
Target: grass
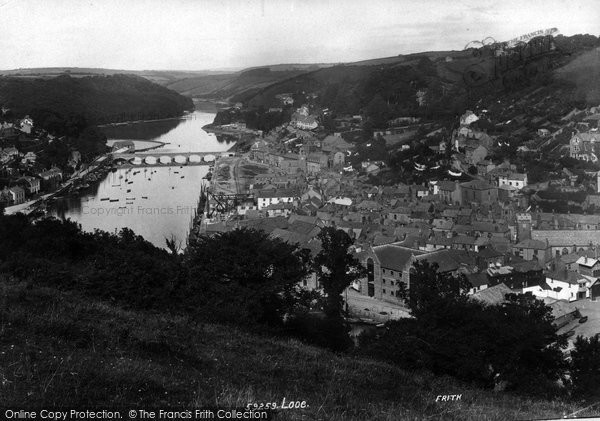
[[58, 349]]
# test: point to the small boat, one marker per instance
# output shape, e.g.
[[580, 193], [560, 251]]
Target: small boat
[[128, 190], [114, 200], [130, 198], [583, 319], [144, 197], [105, 198], [183, 176], [454, 174]]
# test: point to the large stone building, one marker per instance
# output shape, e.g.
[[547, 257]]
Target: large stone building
[[479, 192]]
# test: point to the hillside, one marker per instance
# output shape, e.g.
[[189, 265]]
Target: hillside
[[249, 81], [584, 72], [60, 350], [448, 81], [99, 99]]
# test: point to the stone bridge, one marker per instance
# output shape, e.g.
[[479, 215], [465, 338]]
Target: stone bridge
[[172, 158]]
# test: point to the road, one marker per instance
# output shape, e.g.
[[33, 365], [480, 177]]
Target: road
[[369, 308], [588, 308]]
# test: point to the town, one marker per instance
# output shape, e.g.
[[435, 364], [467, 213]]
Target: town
[[354, 233], [473, 212]]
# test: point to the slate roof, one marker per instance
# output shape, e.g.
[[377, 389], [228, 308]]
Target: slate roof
[[532, 244], [567, 238], [492, 295], [395, 257]]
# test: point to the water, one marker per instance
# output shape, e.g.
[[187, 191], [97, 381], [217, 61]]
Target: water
[[155, 202]]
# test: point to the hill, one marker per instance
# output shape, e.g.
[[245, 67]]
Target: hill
[[99, 99], [446, 82], [248, 81], [61, 350], [584, 72]]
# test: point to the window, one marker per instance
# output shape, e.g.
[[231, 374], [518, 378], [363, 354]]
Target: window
[[383, 281], [383, 270], [384, 291], [392, 273], [392, 283]]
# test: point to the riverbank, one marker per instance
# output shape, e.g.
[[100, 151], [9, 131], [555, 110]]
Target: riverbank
[[125, 123]]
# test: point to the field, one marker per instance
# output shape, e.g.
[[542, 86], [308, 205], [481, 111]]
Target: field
[[59, 349]]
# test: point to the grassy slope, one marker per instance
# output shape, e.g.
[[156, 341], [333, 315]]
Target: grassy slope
[[584, 71], [60, 350]]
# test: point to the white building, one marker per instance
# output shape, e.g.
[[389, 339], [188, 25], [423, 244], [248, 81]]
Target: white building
[[517, 180], [272, 197]]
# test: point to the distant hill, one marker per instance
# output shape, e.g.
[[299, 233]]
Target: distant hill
[[99, 99], [225, 86]]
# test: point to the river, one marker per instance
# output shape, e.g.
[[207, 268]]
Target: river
[[155, 202]]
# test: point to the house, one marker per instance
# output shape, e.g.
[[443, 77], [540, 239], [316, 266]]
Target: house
[[478, 191], [450, 191], [29, 158], [271, 197], [588, 266], [475, 154], [467, 118], [583, 146], [493, 295], [518, 180], [563, 311], [51, 178], [515, 275], [26, 125], [278, 209], [529, 249], [17, 195], [30, 184], [563, 285], [335, 143]]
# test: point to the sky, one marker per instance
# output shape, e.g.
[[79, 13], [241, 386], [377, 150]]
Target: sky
[[234, 34]]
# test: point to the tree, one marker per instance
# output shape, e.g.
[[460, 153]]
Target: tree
[[246, 273], [585, 367], [377, 111], [428, 287], [336, 268], [514, 344]]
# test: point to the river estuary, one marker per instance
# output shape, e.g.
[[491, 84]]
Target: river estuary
[[155, 202]]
